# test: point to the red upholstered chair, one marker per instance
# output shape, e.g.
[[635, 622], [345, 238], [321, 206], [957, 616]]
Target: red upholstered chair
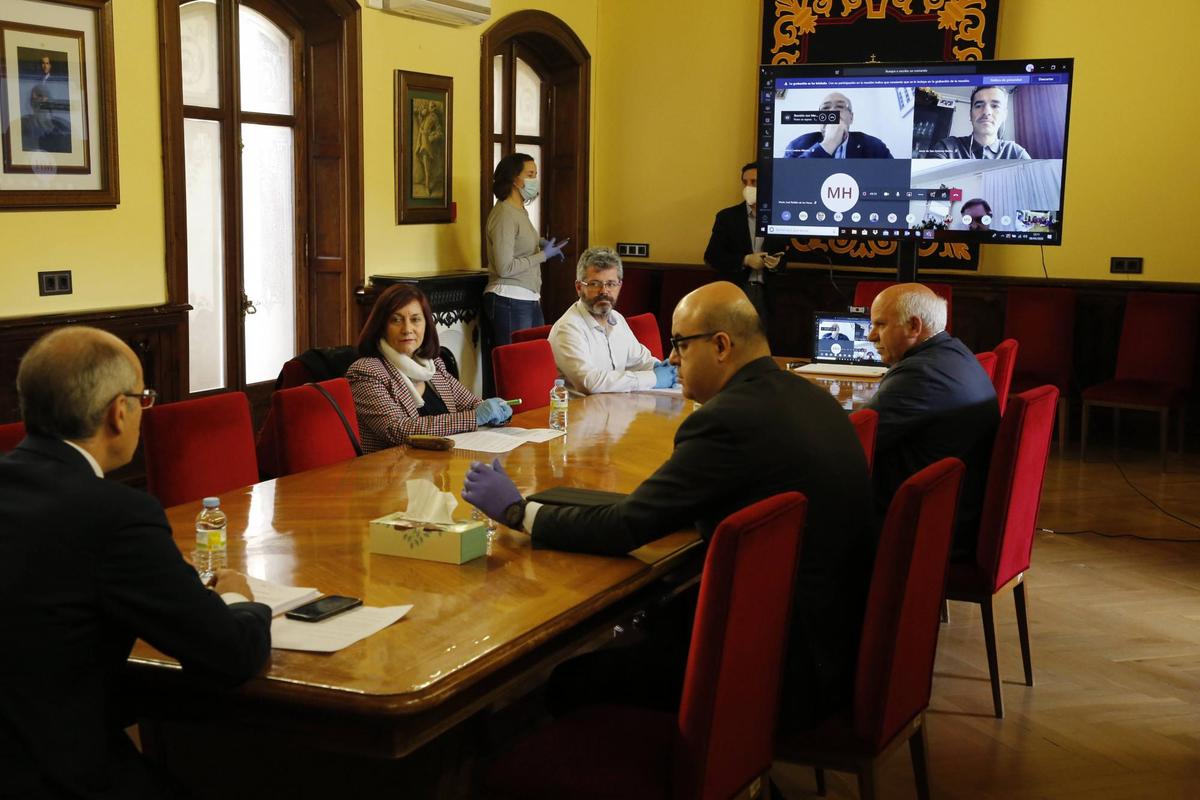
[[894, 673], [645, 328], [866, 422], [308, 431], [1154, 363], [1010, 507], [11, 436], [525, 370], [1006, 362], [866, 291], [987, 360], [721, 741], [197, 448], [529, 334], [1043, 321]]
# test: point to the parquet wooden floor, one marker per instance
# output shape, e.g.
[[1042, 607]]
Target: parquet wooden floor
[[1115, 630]]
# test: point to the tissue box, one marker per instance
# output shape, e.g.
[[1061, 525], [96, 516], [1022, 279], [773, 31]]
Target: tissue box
[[450, 543]]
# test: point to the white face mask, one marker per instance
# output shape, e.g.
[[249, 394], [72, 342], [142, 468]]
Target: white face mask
[[751, 194], [530, 190]]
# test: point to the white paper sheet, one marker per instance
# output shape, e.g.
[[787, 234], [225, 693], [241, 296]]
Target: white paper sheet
[[502, 440], [335, 633], [279, 597], [676, 390]]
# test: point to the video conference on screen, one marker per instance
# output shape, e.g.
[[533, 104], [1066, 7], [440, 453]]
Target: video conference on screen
[[948, 152], [845, 339]]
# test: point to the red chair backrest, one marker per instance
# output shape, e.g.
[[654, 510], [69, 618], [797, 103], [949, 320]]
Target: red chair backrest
[[645, 329], [11, 436], [900, 627], [525, 370], [529, 334], [1014, 487], [1043, 321], [1006, 362], [308, 432], [866, 422], [197, 448], [735, 663], [1158, 339], [987, 360], [866, 291]]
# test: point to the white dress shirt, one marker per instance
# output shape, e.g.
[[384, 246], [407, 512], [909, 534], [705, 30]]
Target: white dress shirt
[[596, 356]]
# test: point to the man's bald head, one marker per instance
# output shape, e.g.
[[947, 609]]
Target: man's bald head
[[70, 377], [905, 315], [722, 306], [729, 335]]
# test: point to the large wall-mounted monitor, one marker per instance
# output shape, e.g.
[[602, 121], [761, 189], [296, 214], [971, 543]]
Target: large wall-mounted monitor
[[971, 151]]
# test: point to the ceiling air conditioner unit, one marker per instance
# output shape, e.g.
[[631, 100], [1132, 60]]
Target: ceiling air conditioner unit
[[445, 12]]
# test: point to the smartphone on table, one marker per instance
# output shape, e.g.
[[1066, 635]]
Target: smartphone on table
[[324, 608]]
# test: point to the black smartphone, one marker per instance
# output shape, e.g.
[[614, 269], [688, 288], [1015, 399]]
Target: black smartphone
[[323, 608]]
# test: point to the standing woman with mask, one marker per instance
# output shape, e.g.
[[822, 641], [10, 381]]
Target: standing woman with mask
[[512, 298]]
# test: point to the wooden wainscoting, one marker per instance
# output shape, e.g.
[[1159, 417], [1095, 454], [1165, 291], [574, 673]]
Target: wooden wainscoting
[[157, 334]]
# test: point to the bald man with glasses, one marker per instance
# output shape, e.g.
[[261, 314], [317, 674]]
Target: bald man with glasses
[[759, 431], [87, 566]]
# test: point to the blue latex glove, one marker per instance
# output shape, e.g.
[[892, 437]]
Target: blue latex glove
[[665, 375], [490, 489], [492, 411], [554, 248]]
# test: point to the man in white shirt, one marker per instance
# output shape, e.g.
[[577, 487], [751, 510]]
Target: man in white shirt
[[594, 349]]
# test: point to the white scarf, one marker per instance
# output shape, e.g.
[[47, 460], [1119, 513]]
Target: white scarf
[[410, 369]]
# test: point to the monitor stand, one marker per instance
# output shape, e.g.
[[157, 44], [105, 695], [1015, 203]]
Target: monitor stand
[[906, 267]]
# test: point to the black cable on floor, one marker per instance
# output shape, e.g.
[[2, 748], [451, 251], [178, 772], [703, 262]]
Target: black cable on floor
[[1148, 499], [1118, 536]]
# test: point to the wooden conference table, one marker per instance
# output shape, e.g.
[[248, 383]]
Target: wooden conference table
[[476, 633]]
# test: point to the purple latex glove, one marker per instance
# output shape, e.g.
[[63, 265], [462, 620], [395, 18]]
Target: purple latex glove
[[490, 489]]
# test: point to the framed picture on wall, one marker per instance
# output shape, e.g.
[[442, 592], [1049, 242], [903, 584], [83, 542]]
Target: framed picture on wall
[[58, 123], [424, 106]]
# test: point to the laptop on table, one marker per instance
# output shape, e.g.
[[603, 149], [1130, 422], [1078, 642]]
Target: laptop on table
[[840, 346]]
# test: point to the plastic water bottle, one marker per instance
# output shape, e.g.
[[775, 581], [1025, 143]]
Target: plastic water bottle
[[558, 405], [211, 540]]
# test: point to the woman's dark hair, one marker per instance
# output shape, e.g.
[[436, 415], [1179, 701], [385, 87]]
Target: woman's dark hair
[[395, 297], [507, 171]]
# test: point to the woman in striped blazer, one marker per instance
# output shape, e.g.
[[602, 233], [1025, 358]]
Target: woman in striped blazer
[[401, 386]]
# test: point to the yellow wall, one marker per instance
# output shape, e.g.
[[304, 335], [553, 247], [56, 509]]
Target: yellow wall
[[390, 43], [116, 255], [672, 120], [675, 107]]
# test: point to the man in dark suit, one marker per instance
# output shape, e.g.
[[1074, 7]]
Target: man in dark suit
[[759, 432], [837, 140], [86, 567], [934, 402], [737, 251]]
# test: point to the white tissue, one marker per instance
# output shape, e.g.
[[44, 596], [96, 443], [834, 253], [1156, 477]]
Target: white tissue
[[427, 504]]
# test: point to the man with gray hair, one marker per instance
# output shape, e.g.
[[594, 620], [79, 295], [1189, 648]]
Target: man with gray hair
[[86, 567], [594, 349], [935, 401]]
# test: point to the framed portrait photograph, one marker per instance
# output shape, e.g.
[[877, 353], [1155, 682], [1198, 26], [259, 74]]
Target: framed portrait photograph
[[58, 133], [424, 105]]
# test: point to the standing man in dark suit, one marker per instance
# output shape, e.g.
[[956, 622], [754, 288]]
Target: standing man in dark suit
[[86, 567], [837, 140], [759, 432], [737, 251]]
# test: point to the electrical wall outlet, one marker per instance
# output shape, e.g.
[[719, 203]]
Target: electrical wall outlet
[[54, 282], [1125, 265], [633, 249]]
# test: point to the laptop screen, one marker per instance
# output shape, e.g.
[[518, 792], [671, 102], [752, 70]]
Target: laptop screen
[[841, 338]]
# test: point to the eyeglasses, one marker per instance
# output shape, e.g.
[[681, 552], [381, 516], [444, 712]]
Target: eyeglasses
[[145, 397], [676, 341], [594, 285]]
